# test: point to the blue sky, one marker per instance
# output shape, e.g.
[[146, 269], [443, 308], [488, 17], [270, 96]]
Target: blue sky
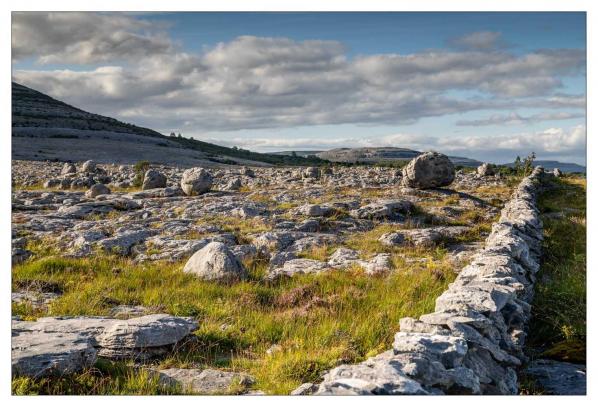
[[484, 85], [372, 33]]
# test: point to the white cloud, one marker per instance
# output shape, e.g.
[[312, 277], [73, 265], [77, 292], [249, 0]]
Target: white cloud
[[479, 41], [83, 38], [551, 143], [515, 119]]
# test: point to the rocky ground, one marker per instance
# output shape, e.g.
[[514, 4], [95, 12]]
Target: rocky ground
[[263, 235]]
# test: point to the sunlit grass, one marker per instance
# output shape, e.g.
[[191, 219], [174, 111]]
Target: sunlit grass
[[319, 321]]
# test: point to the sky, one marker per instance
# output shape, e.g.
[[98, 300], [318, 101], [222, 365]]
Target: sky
[[488, 86]]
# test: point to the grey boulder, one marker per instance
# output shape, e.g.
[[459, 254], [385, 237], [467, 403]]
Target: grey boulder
[[215, 261], [429, 170], [153, 179], [89, 166], [196, 181], [68, 168], [97, 189], [123, 338]]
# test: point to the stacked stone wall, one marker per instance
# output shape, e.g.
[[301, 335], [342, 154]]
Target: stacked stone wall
[[473, 342]]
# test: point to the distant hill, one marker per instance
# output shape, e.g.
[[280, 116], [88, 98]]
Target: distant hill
[[550, 165], [46, 128], [301, 153], [372, 155]]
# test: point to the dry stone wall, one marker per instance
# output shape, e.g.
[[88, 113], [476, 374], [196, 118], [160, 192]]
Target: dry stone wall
[[473, 342]]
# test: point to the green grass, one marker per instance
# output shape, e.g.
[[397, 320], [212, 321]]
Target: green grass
[[558, 326], [104, 378], [319, 321]]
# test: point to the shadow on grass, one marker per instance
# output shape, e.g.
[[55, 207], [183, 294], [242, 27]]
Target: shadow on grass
[[558, 324]]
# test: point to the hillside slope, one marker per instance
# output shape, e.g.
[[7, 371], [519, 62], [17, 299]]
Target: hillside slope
[[46, 128]]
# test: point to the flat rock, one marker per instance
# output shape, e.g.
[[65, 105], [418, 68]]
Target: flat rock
[[208, 381], [145, 336], [558, 377], [374, 376], [299, 266], [37, 354], [449, 350]]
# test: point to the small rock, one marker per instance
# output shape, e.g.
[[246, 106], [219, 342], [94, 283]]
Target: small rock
[[392, 239], [89, 166], [305, 389], [68, 168], [153, 179], [208, 381], [97, 189], [311, 172], [485, 170]]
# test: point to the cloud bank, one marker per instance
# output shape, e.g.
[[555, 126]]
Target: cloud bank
[[516, 119], [551, 143], [255, 82], [85, 38]]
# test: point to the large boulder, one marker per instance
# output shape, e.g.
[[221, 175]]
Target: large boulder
[[196, 181], [215, 261], [97, 189], [429, 170], [153, 179]]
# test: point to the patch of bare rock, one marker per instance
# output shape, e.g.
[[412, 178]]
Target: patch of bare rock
[[56, 346], [206, 381]]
